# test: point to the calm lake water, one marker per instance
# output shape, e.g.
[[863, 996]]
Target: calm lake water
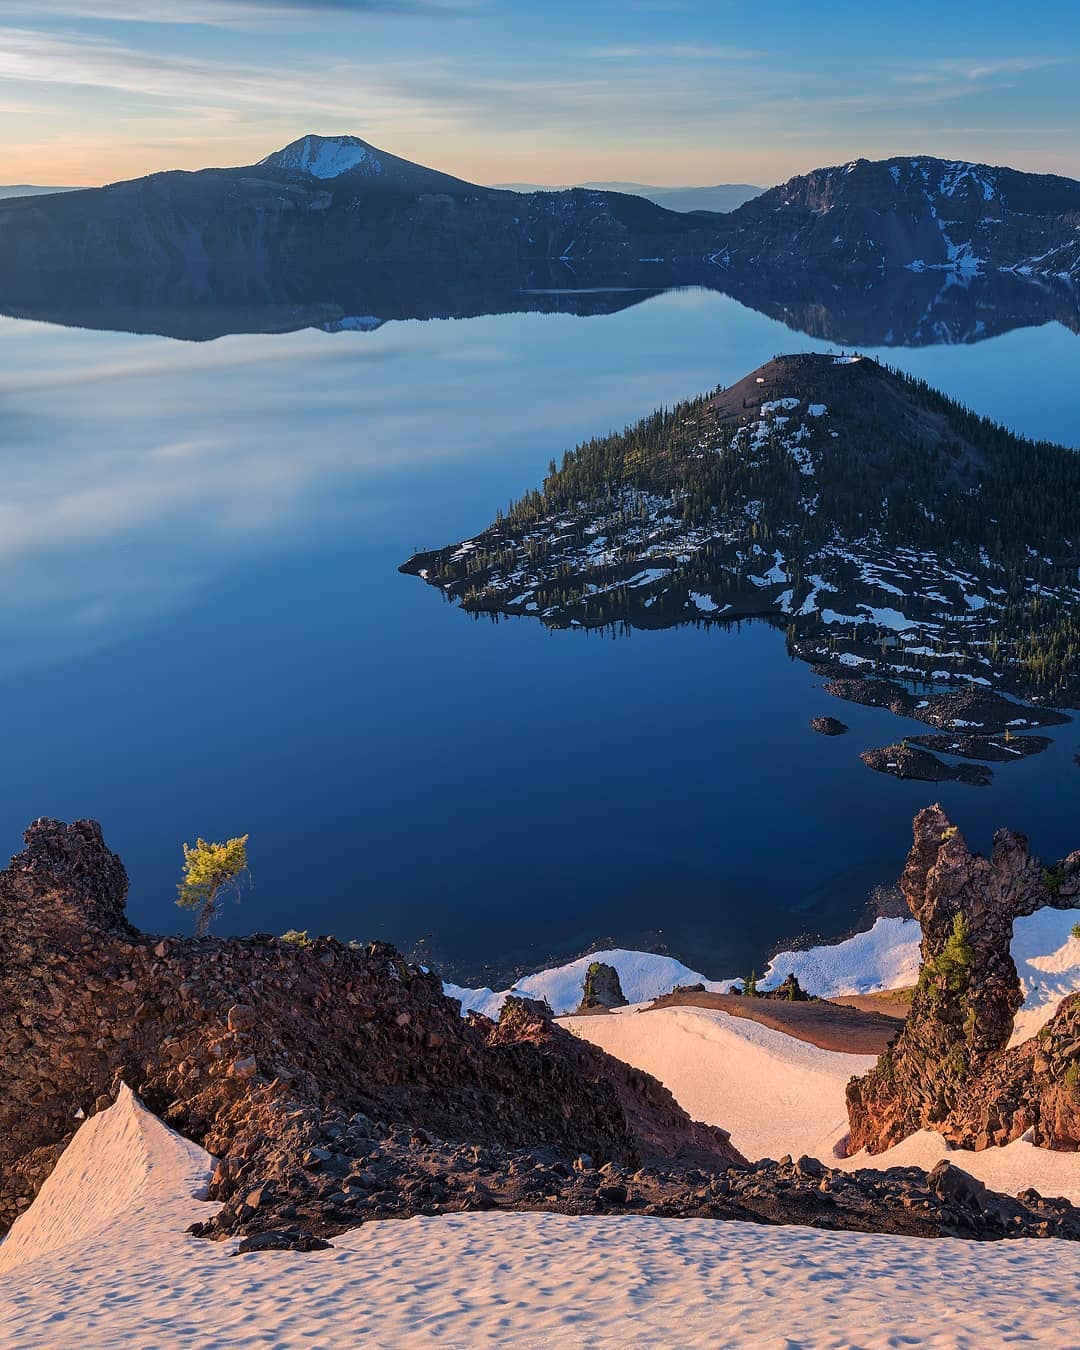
[[204, 632]]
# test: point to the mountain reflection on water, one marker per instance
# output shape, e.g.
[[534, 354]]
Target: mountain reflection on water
[[897, 308]]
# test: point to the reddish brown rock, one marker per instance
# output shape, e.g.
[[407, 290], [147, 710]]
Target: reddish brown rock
[[948, 1068], [225, 1038], [327, 1107]]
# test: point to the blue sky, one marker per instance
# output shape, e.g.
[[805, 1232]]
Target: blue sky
[[662, 91]]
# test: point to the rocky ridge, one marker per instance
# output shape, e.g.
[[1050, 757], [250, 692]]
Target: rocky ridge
[[227, 1039], [915, 212]]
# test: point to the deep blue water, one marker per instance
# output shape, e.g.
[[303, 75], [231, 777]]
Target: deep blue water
[[204, 632]]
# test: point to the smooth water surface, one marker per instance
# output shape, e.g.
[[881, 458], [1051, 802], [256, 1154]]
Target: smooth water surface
[[204, 632]]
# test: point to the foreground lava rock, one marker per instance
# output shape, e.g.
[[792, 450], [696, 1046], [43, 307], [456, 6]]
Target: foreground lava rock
[[228, 1039], [337, 1084], [948, 1068]]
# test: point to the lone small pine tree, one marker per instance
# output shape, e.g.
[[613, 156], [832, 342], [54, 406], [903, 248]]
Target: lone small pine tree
[[210, 869]]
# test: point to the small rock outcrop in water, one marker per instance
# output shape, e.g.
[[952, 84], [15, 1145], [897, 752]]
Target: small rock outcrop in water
[[949, 1069], [909, 761], [601, 988], [828, 726], [337, 1084]]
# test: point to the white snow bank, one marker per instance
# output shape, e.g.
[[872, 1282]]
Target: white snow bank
[[643, 976], [119, 1166], [774, 1093], [779, 1095], [514, 1280], [886, 957], [1010, 1169], [1047, 960]]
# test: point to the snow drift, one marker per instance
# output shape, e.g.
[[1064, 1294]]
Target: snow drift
[[101, 1259]]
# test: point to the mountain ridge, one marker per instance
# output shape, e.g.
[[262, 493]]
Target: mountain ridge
[[352, 203], [713, 197], [889, 213]]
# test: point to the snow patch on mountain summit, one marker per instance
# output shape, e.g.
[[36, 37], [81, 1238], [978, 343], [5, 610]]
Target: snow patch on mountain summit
[[325, 156]]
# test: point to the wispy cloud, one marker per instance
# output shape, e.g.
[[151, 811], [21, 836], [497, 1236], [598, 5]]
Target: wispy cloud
[[227, 13], [958, 76], [372, 92], [676, 52]]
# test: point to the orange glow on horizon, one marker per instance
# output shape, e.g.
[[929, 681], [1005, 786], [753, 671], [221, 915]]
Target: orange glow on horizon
[[93, 162]]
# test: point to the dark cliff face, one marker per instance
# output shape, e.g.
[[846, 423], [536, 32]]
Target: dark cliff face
[[914, 212], [949, 1069], [341, 203]]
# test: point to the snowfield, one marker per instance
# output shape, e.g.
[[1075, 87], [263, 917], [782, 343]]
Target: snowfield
[[643, 976], [779, 1095], [776, 1094], [79, 1268]]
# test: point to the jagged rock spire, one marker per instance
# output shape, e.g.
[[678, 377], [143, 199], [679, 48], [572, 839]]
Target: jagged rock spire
[[968, 992], [65, 874]]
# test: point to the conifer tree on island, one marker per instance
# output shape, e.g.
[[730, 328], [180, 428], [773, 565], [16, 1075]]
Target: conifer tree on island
[[209, 871]]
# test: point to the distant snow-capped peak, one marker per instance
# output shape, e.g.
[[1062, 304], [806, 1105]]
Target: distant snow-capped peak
[[325, 156]]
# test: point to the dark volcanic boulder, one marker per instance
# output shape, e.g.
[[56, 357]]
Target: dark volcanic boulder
[[602, 988], [828, 726], [788, 991]]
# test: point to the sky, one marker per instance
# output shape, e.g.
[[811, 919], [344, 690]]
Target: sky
[[550, 91]]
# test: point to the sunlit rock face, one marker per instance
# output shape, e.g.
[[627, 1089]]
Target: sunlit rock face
[[949, 1068]]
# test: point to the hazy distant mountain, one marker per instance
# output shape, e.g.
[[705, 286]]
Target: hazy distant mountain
[[28, 190], [720, 197]]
